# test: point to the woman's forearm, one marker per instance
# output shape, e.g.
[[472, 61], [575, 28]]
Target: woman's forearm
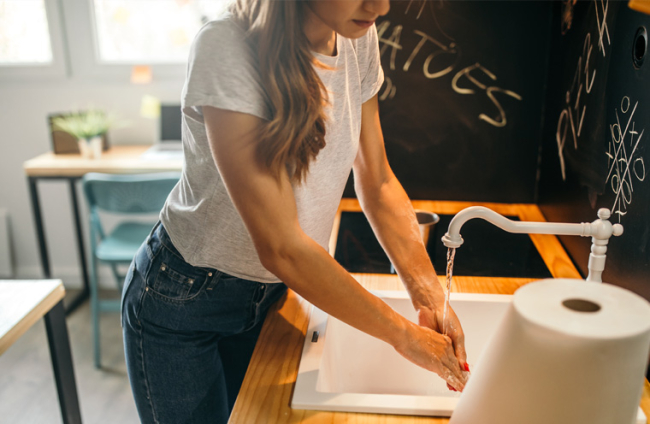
[[393, 221], [305, 267]]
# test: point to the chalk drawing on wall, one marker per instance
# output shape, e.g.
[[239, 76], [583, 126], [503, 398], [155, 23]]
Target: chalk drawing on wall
[[574, 111], [442, 60], [625, 163]]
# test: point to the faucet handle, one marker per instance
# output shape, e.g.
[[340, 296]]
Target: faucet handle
[[601, 231], [604, 213], [617, 229]]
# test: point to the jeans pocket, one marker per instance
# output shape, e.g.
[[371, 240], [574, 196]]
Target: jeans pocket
[[173, 284], [172, 279]]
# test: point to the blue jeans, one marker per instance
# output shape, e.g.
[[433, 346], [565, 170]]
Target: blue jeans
[[189, 334]]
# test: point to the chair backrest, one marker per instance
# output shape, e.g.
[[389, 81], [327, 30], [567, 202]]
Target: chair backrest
[[129, 194]]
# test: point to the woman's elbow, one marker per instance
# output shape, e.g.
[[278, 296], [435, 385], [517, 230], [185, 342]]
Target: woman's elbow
[[277, 257]]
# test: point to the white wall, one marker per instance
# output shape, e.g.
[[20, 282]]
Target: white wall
[[24, 134]]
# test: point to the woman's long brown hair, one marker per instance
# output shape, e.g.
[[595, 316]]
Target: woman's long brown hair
[[297, 96]]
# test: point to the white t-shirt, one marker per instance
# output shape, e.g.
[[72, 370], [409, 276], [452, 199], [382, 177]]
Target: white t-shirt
[[199, 215]]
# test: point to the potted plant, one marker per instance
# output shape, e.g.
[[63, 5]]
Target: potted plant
[[87, 127]]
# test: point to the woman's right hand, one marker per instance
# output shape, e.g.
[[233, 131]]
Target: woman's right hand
[[434, 352]]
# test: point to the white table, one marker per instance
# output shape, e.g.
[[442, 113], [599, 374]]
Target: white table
[[22, 304]]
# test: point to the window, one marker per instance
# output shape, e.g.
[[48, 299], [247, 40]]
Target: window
[[31, 43], [99, 39], [149, 32], [24, 33]]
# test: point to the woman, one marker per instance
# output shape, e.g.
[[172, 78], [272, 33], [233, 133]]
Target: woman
[[280, 103]]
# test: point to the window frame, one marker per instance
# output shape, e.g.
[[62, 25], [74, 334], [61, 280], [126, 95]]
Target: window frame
[[83, 46], [58, 68], [75, 52]]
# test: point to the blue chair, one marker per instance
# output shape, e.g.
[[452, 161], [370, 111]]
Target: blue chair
[[132, 195]]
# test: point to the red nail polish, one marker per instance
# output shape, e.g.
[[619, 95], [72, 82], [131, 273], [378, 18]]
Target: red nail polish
[[466, 367]]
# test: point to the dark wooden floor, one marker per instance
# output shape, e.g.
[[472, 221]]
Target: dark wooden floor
[[27, 388]]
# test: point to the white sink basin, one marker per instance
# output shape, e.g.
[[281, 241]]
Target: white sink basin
[[343, 369]]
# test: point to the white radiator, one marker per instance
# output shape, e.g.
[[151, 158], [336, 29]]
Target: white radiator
[[6, 264]]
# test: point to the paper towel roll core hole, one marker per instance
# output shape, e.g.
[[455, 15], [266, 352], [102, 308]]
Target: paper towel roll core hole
[[581, 305]]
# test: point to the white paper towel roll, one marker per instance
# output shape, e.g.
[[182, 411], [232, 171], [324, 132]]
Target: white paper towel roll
[[556, 359]]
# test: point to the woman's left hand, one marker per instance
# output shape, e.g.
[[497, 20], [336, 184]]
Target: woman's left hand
[[433, 319]]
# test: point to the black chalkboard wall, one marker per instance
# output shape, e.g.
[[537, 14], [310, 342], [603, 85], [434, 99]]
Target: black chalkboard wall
[[474, 90], [461, 106], [598, 76]]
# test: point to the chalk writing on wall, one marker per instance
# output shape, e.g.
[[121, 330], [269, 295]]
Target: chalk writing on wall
[[626, 165], [442, 60], [573, 114]]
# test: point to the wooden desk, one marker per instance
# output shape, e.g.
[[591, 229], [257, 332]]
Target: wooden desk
[[265, 395], [22, 303], [116, 160], [72, 167]]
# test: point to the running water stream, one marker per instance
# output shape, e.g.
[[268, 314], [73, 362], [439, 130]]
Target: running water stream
[[451, 253]]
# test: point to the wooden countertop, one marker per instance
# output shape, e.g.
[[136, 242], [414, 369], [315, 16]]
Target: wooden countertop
[[266, 393], [115, 160]]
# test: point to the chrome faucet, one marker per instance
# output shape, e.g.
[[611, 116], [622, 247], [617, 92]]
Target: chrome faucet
[[600, 231]]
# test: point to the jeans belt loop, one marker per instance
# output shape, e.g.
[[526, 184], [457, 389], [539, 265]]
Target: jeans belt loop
[[153, 230]]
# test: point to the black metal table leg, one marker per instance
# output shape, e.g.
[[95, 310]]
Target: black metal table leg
[[42, 243], [40, 231], [59, 343], [80, 249]]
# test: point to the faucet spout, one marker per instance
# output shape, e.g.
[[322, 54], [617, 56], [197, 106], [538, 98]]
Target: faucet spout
[[600, 230], [453, 238]]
